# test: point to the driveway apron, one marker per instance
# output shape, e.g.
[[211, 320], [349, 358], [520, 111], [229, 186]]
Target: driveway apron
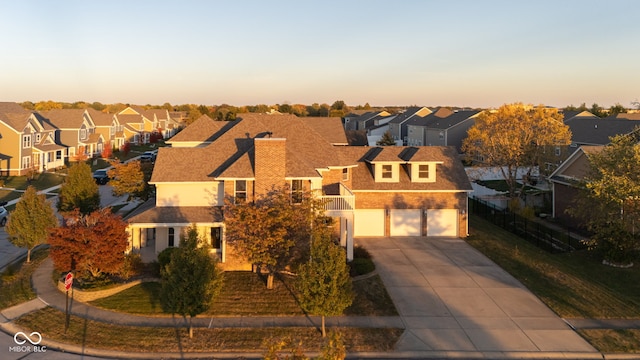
[[452, 298]]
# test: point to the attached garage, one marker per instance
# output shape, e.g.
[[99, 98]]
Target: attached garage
[[405, 222], [442, 222], [369, 222]]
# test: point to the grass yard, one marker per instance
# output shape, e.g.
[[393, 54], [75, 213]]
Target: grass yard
[[572, 284], [245, 294], [43, 181], [15, 281], [50, 323]]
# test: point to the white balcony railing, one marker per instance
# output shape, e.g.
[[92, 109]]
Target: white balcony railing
[[344, 202]]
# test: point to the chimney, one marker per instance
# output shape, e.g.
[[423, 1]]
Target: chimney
[[270, 163]]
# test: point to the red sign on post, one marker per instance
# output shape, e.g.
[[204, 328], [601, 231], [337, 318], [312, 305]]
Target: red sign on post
[[68, 281]]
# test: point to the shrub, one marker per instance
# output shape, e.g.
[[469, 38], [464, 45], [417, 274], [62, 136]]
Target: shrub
[[164, 257], [360, 252], [132, 265], [360, 266]]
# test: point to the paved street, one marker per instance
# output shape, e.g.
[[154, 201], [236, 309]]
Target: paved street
[[452, 298]]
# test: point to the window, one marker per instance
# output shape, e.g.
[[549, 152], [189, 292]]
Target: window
[[216, 237], [345, 174], [387, 171], [296, 191], [112, 130], [241, 191], [83, 134], [50, 156], [558, 151], [423, 171], [59, 155], [171, 237], [37, 138], [441, 135], [26, 162], [26, 141]]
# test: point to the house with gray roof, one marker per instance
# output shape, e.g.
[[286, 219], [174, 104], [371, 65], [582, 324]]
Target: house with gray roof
[[368, 191], [443, 127], [398, 125]]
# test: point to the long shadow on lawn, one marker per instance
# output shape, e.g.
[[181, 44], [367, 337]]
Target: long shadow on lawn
[[293, 294]]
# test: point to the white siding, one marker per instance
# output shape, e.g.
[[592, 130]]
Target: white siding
[[190, 194]]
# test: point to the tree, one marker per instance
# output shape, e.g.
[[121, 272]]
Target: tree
[[125, 148], [47, 105], [191, 280], [91, 245], [272, 231], [610, 202], [386, 139], [527, 138], [30, 222], [107, 151], [617, 109], [323, 282], [636, 104], [79, 190], [128, 178]]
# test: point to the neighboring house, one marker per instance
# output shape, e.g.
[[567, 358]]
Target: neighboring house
[[138, 124], [27, 142], [367, 120], [107, 126], [565, 181], [398, 125], [597, 131], [77, 131], [441, 128], [391, 191]]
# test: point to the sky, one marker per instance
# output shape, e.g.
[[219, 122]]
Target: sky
[[477, 53]]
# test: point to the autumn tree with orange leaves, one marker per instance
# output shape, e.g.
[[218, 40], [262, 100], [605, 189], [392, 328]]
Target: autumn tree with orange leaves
[[91, 245], [516, 138]]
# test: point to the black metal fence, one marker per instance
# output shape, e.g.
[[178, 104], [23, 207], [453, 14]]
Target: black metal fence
[[553, 240]]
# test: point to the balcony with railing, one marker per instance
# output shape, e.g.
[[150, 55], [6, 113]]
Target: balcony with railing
[[345, 201]]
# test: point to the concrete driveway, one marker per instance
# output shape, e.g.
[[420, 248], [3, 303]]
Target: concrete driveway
[[453, 299]]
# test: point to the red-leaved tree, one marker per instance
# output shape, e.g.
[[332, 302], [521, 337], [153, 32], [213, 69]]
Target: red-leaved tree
[[91, 245], [107, 151]]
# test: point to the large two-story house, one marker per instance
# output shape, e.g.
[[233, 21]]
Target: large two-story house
[[28, 142], [369, 191], [77, 131], [443, 127]]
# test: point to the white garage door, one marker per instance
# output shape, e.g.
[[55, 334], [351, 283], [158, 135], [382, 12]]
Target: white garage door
[[442, 222], [405, 222], [368, 222]]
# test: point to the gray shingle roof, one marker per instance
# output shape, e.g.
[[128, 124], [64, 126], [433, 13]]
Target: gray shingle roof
[[597, 131]]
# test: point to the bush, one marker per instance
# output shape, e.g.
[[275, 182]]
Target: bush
[[132, 265], [164, 257], [360, 266], [360, 253]]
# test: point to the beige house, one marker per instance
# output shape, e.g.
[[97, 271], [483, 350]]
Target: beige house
[[27, 142], [77, 131], [369, 191]]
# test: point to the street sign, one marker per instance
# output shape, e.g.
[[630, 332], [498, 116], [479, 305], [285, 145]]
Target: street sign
[[68, 281]]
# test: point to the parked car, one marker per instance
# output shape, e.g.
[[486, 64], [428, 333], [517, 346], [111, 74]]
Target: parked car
[[101, 177], [149, 156], [3, 213]]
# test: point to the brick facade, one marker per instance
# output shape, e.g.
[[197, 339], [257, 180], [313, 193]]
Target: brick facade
[[270, 164], [331, 181]]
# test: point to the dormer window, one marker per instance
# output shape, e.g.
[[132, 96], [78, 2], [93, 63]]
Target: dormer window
[[387, 171], [423, 172]]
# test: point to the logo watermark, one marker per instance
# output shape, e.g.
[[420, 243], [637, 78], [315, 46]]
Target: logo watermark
[[34, 339]]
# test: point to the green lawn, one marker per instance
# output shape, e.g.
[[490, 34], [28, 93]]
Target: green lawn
[[15, 282], [41, 182], [245, 294]]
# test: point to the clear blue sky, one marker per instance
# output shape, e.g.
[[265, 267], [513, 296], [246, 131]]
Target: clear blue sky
[[462, 53]]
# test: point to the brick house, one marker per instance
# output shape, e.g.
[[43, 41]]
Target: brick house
[[369, 191]]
